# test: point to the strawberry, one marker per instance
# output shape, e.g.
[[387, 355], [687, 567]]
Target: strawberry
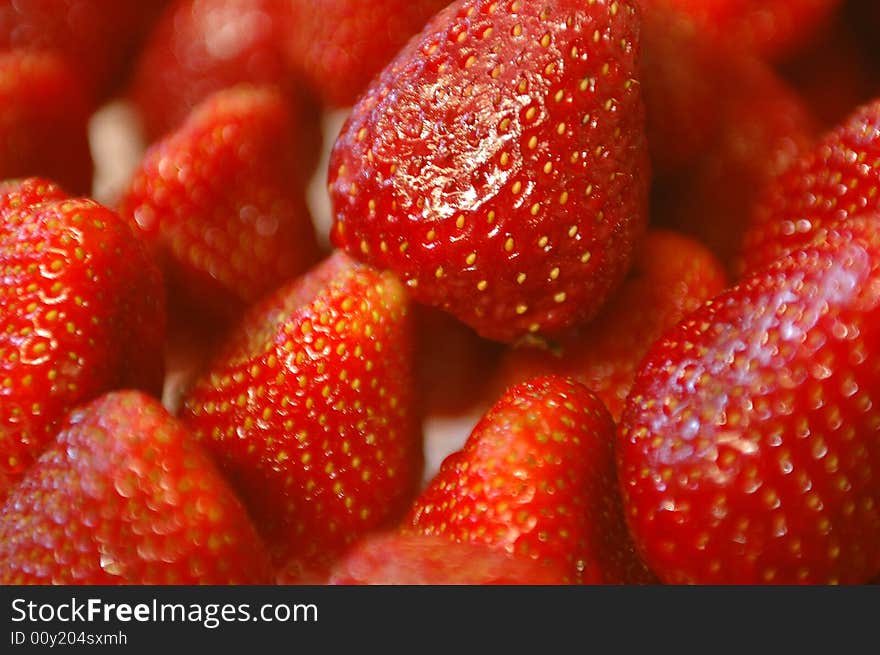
[[97, 38], [748, 445], [44, 118], [82, 313], [762, 129], [200, 47], [123, 496], [340, 45], [398, 559], [219, 198], [836, 178], [536, 478], [771, 28], [671, 277], [309, 410], [498, 165]]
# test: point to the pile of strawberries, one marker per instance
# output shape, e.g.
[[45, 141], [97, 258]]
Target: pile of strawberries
[[641, 238]]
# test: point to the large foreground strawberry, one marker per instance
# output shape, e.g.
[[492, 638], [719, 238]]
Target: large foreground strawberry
[[499, 165], [123, 496], [536, 478], [750, 444], [310, 409], [81, 312]]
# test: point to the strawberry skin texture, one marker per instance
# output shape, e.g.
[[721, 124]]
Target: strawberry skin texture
[[499, 165], [82, 313], [536, 478], [340, 45], [219, 198], [671, 277], [124, 496], [748, 449], [200, 47], [309, 410], [835, 179], [44, 116], [399, 559], [97, 38]]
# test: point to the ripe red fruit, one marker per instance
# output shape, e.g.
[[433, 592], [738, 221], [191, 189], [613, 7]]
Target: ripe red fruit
[[200, 47], [748, 448], [536, 478], [499, 166], [340, 45], [44, 116], [762, 128], [309, 410], [219, 197], [82, 313], [398, 559], [835, 179], [672, 276], [770, 28], [123, 496], [96, 38]]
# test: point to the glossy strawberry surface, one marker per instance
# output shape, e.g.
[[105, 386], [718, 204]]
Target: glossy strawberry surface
[[499, 165], [749, 445]]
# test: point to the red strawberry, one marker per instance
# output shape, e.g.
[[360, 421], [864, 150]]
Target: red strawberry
[[762, 129], [397, 559], [220, 197], [82, 313], [536, 478], [44, 118], [340, 45], [671, 277], [499, 166], [750, 438], [770, 28], [837, 178], [97, 38], [309, 410], [123, 496], [200, 47]]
